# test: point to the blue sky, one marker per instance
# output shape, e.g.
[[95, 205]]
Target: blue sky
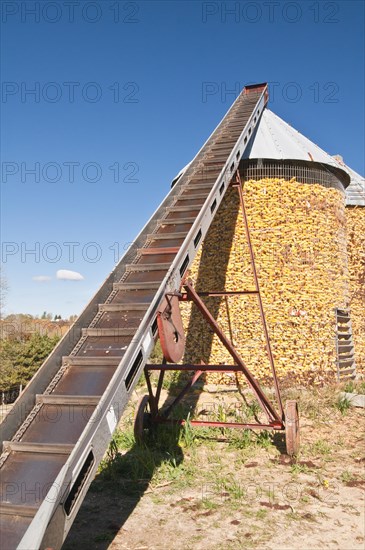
[[124, 94]]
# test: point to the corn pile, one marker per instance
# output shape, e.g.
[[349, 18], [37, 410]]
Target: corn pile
[[299, 240], [356, 263]]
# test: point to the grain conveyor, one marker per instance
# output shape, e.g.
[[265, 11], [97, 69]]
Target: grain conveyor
[[59, 428]]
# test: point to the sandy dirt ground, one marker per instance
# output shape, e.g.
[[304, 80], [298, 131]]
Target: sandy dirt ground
[[216, 491]]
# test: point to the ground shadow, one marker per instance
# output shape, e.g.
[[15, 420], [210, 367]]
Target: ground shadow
[[116, 491]]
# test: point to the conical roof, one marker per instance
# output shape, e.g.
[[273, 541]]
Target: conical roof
[[276, 139]]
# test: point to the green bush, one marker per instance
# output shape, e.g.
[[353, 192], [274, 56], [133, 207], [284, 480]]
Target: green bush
[[20, 360]]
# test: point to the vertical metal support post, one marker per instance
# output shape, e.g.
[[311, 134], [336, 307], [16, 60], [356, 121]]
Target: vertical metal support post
[[159, 383], [152, 399]]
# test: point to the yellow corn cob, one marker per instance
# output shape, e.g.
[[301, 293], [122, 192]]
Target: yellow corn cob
[[298, 233], [356, 264]]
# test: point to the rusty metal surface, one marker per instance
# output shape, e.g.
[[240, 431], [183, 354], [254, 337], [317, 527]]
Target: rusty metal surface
[[212, 424], [292, 436], [107, 346], [32, 474], [170, 329], [194, 367], [11, 528], [156, 258], [84, 380], [59, 423], [146, 276]]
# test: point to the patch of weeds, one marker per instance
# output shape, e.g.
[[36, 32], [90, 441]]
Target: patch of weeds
[[317, 403], [322, 481], [346, 476], [215, 458], [209, 504], [321, 447], [241, 439], [123, 438], [187, 434], [298, 468], [220, 415], [354, 387], [264, 439], [158, 458], [174, 380], [166, 437], [227, 488], [168, 470], [141, 382], [342, 404], [246, 439], [247, 411], [253, 409], [261, 514], [192, 435], [156, 356], [293, 515], [157, 499]]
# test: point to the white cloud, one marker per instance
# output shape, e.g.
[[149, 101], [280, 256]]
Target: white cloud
[[41, 278], [67, 275]]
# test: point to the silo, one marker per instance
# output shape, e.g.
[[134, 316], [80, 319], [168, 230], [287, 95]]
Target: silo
[[355, 216], [295, 196]]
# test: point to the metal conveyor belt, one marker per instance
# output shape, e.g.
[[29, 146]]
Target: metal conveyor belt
[[59, 428]]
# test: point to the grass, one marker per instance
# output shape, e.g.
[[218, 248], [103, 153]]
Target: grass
[[241, 439], [188, 436], [209, 504], [343, 404], [177, 454], [354, 387], [317, 404], [347, 476], [188, 456], [321, 447], [248, 439], [215, 476], [229, 488], [298, 468], [261, 514], [160, 458]]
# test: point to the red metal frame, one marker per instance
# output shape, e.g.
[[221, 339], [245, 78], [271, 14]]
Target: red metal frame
[[275, 418]]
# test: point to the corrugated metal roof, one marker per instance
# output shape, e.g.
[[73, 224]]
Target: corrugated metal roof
[[355, 193], [275, 139]]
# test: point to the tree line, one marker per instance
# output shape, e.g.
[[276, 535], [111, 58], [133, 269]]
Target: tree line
[[25, 342]]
